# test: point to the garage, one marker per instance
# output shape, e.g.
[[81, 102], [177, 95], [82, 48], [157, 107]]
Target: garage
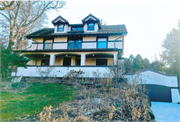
[[160, 87]]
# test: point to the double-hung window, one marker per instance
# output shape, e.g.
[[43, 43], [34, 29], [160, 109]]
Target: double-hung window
[[101, 62], [60, 28], [91, 26], [74, 44], [48, 44], [77, 28], [102, 43]]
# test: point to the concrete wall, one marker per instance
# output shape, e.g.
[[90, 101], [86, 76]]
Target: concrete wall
[[54, 71]]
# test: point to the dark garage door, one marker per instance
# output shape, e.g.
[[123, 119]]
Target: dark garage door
[[159, 93]]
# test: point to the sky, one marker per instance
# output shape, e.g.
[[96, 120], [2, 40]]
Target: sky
[[147, 22]]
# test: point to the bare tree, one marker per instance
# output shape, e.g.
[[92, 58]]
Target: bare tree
[[21, 17]]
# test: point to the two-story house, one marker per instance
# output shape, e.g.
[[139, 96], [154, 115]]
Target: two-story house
[[87, 46]]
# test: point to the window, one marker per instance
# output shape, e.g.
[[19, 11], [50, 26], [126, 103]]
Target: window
[[77, 28], [101, 62], [48, 44], [45, 62], [91, 26], [60, 28], [78, 62], [67, 61], [102, 43], [74, 44]]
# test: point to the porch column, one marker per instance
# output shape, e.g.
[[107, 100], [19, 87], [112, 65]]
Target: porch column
[[115, 59], [52, 60], [83, 59]]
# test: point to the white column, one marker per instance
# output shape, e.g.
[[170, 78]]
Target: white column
[[83, 59], [115, 59], [52, 60]]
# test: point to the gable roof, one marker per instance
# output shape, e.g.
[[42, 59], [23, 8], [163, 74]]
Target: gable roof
[[59, 19], [105, 30], [153, 71], [90, 16]]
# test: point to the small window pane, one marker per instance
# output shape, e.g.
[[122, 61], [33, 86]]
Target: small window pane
[[78, 44], [60, 28], [91, 26], [102, 44], [45, 62], [47, 45], [71, 45], [101, 62]]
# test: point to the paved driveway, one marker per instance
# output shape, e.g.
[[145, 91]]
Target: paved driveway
[[166, 112]]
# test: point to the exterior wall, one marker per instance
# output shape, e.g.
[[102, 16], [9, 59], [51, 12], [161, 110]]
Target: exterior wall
[[38, 62], [54, 71], [65, 28], [91, 61], [89, 38], [32, 62], [38, 39], [110, 61], [57, 61], [112, 38], [60, 39], [85, 27]]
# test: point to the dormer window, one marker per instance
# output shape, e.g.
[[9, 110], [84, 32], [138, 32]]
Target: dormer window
[[60, 28], [77, 28], [91, 26]]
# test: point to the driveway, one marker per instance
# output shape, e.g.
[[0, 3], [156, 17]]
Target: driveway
[[166, 112]]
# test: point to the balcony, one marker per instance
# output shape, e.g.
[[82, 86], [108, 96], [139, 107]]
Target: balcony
[[84, 45]]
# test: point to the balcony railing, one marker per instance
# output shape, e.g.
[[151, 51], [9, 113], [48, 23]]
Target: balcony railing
[[85, 45]]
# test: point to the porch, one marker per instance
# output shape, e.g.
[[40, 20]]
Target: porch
[[73, 59]]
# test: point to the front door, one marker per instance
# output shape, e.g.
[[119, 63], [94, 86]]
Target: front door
[[67, 61]]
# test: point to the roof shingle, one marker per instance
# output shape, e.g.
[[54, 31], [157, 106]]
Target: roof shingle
[[105, 29]]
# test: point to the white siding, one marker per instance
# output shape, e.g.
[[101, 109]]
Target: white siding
[[40, 46], [60, 46], [110, 44], [88, 45]]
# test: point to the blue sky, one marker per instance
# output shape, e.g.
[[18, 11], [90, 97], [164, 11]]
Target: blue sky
[[147, 22]]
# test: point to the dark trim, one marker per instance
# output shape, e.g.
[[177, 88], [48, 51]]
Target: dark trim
[[89, 41], [75, 34], [60, 42], [66, 66], [37, 43], [71, 50]]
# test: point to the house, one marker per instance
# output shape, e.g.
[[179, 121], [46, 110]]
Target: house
[[87, 47]]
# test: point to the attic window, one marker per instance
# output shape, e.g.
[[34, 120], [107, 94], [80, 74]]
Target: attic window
[[60, 28], [91, 26]]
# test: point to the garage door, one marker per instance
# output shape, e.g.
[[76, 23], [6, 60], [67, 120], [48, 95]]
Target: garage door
[[158, 93]]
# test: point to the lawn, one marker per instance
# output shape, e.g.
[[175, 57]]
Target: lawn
[[32, 100]]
